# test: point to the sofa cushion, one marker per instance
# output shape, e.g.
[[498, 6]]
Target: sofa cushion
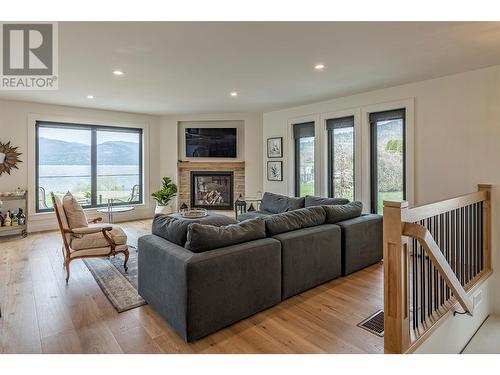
[[253, 215], [276, 203], [311, 201], [293, 220], [309, 257], [74, 212], [97, 240], [362, 242], [174, 227], [337, 213], [201, 237]]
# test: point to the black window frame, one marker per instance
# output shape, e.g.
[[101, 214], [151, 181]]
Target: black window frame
[[373, 153], [93, 158], [298, 132], [331, 125]]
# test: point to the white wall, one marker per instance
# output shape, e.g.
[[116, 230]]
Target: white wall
[[455, 123], [252, 147], [17, 121], [456, 146]]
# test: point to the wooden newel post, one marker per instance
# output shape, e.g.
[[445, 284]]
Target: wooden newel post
[[486, 226], [396, 301]]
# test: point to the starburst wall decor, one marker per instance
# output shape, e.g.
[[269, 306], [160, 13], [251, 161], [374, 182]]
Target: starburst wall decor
[[9, 157]]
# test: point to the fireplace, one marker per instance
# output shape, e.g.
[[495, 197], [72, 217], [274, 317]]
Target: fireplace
[[212, 190]]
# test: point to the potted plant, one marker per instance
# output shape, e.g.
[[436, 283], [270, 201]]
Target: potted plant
[[163, 196]]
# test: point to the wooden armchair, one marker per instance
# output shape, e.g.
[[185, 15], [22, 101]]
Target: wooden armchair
[[96, 240]]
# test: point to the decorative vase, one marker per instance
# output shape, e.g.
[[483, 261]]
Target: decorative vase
[[164, 210]]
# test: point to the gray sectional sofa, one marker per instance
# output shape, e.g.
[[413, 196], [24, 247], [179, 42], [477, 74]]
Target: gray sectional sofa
[[202, 275]]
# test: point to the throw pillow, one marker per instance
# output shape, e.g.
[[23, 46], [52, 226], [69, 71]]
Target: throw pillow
[[202, 237], [311, 200], [337, 213], [174, 227], [293, 220], [74, 212], [276, 203]]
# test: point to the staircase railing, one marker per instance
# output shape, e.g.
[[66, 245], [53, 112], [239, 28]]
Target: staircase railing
[[434, 257]]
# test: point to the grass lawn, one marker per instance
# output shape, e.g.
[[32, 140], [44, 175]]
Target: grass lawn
[[387, 196], [306, 188]]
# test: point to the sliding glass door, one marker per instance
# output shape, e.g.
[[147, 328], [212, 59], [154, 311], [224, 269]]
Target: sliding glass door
[[341, 157], [388, 164], [304, 158]]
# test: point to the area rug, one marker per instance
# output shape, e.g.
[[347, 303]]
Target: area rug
[[120, 287]]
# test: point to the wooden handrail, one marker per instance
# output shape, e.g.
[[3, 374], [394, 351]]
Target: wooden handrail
[[434, 257], [432, 209], [439, 261]]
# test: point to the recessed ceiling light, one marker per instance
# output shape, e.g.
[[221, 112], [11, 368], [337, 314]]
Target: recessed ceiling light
[[90, 96], [319, 66], [234, 93], [117, 72]]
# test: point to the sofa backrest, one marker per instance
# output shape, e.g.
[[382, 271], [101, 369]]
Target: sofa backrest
[[174, 227], [201, 238], [293, 220], [276, 203], [311, 201], [337, 213]]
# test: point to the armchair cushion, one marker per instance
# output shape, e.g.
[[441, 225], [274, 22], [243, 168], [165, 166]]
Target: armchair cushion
[[90, 230], [96, 239], [74, 212]]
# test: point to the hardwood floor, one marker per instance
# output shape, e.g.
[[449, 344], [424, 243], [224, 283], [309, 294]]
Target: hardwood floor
[[41, 314]]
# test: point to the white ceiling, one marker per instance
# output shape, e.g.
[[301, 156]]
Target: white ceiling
[[192, 67]]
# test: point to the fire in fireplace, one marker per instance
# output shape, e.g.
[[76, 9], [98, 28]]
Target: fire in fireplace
[[212, 190]]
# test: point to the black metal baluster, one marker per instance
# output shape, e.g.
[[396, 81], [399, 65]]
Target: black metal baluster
[[434, 271], [448, 248], [471, 238], [414, 280], [443, 249], [481, 242], [462, 245], [422, 280], [479, 231], [473, 242], [429, 280], [465, 238]]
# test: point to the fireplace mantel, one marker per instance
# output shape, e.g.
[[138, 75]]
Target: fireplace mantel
[[210, 165]]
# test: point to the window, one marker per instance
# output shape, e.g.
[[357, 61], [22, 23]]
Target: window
[[304, 158], [94, 163], [341, 157], [388, 160]]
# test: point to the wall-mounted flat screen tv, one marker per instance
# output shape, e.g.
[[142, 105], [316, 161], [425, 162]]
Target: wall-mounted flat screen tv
[[210, 142]]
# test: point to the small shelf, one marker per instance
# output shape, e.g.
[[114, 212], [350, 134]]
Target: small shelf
[[13, 228], [13, 198], [16, 228]]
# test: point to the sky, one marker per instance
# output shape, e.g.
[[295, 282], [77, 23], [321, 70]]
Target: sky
[[83, 136]]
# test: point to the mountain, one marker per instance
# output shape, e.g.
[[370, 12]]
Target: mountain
[[55, 152]]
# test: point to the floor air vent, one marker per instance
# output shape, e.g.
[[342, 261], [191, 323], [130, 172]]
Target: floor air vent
[[374, 323]]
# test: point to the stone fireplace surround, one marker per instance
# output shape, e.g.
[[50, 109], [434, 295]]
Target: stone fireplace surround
[[184, 169]]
